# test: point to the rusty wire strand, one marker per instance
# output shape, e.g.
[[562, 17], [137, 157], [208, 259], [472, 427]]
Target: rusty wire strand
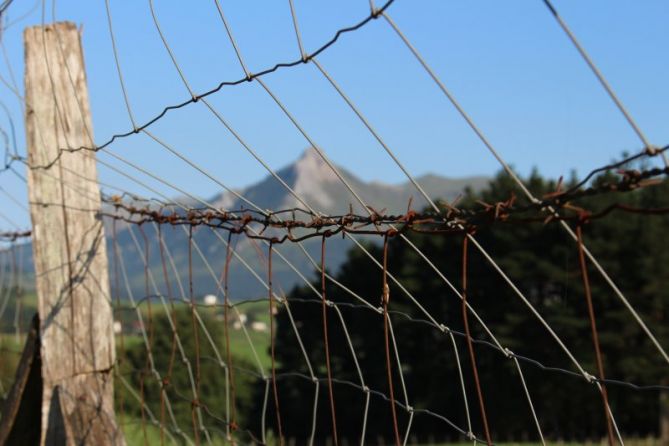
[[454, 221], [343, 382], [147, 363], [385, 300], [470, 346], [595, 336], [326, 344], [166, 379], [117, 286], [272, 343], [196, 402], [226, 333], [500, 212]]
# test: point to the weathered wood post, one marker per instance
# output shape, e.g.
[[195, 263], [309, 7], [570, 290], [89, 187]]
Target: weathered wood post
[[76, 322]]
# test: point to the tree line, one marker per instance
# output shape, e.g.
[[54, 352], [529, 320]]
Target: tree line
[[542, 260]]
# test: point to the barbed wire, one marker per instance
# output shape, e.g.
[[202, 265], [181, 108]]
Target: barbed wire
[[278, 226], [502, 211], [631, 180], [197, 97], [454, 220], [12, 236]]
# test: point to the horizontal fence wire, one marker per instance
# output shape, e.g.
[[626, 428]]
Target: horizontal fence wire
[[161, 392]]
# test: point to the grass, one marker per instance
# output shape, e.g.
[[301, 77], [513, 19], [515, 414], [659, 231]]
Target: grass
[[137, 433], [239, 346], [10, 350], [134, 435], [239, 342], [602, 442]]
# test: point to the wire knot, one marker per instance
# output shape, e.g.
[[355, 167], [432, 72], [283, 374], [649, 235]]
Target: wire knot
[[385, 297], [651, 150], [590, 378]]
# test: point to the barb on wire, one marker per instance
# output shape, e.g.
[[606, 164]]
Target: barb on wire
[[300, 224], [12, 236], [453, 221], [196, 97]]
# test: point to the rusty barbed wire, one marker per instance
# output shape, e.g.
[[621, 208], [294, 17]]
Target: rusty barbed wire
[[375, 14], [506, 211], [453, 220], [12, 236], [267, 226]]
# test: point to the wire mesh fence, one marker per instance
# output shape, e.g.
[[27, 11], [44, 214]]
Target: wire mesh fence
[[443, 318]]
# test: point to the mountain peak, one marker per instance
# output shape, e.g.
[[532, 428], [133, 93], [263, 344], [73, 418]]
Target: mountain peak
[[311, 160], [309, 152], [310, 175], [312, 179]]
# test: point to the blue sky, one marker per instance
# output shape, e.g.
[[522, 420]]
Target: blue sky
[[508, 63]]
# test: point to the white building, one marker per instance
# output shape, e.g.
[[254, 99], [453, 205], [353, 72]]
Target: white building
[[210, 300], [258, 326]]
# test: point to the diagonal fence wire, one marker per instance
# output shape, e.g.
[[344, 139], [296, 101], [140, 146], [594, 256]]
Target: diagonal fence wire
[[252, 225]]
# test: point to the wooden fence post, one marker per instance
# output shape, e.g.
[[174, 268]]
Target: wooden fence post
[[76, 321]]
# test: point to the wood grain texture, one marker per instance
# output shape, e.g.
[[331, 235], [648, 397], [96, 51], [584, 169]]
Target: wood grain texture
[[77, 341]]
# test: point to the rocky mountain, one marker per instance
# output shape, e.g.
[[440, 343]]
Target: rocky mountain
[[313, 180], [310, 178]]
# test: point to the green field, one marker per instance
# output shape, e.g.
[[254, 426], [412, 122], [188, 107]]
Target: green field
[[240, 341], [139, 433], [132, 340]]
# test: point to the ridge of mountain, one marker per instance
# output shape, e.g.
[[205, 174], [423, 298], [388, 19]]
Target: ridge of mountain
[[310, 178], [319, 187]]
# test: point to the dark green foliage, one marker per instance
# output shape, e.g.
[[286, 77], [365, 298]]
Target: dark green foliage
[[207, 372], [542, 261]]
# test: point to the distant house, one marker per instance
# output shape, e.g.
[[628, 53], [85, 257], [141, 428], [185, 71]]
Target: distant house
[[258, 326], [137, 327], [241, 320], [210, 300]]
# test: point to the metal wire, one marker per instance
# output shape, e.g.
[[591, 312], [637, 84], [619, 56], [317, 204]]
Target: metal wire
[[274, 227]]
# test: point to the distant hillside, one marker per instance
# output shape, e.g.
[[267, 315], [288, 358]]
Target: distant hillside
[[318, 185], [310, 178]]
